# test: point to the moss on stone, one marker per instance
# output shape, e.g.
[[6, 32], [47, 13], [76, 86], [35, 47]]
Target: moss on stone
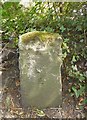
[[42, 36]]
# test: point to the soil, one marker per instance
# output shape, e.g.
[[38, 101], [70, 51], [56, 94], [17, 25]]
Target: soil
[[10, 97]]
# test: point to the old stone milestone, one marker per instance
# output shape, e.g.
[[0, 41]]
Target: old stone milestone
[[40, 69]]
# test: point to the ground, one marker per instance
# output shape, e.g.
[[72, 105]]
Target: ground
[[11, 98]]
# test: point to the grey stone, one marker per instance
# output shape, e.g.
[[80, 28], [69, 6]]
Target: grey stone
[[40, 69]]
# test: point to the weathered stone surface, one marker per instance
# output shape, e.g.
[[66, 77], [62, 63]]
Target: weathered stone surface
[[40, 69]]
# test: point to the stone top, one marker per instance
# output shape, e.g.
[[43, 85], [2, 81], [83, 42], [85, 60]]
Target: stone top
[[40, 35]]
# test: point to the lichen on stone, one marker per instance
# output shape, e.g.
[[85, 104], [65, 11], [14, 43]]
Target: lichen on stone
[[40, 35]]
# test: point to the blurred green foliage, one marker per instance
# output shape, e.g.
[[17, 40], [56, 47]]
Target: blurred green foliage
[[68, 19]]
